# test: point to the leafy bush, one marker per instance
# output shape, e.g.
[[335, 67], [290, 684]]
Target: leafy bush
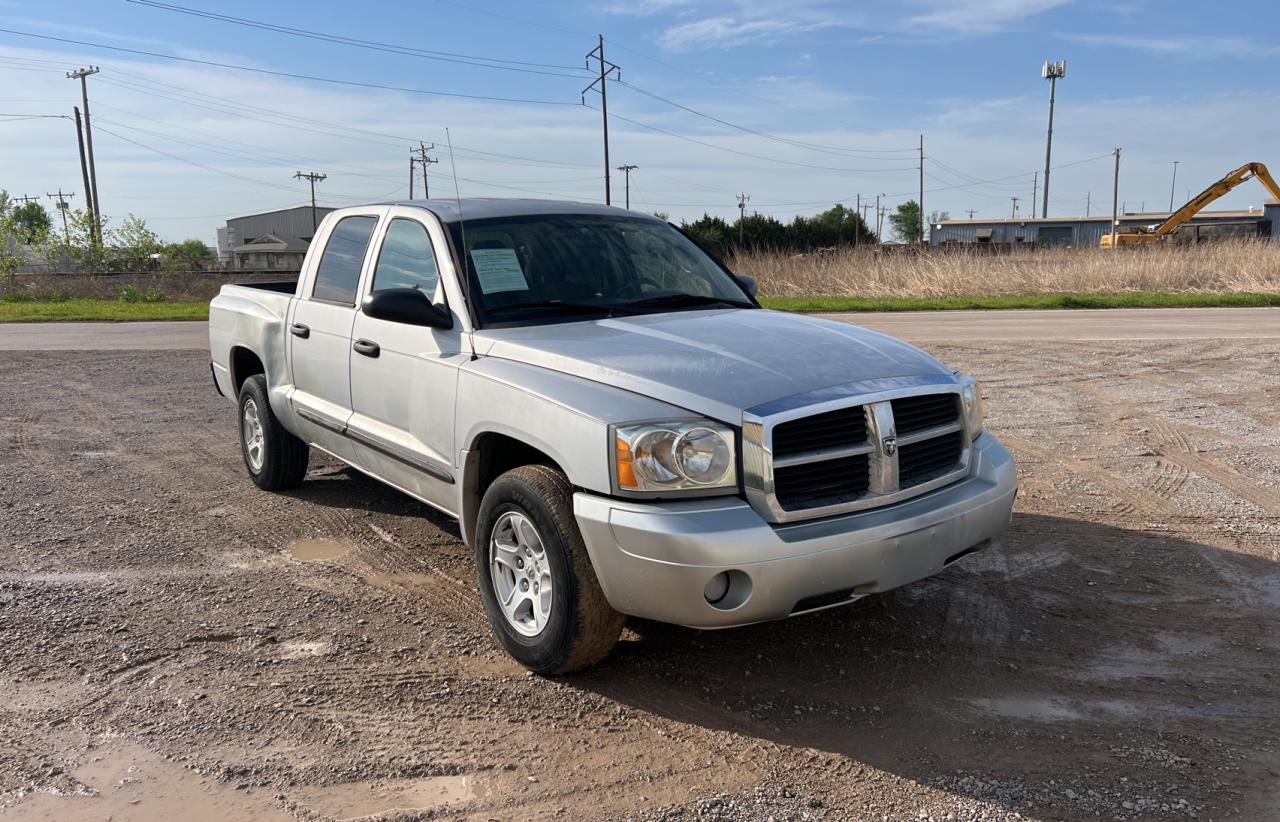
[[51, 296], [133, 294]]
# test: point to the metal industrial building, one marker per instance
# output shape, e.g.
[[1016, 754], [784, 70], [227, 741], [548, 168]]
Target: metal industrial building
[[274, 240], [1088, 231]]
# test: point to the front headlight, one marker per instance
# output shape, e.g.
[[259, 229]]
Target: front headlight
[[675, 456], [971, 399]]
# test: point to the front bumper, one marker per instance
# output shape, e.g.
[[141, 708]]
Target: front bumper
[[654, 560]]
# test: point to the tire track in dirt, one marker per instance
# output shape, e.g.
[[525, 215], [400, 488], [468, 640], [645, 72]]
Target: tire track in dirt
[[1132, 500], [1123, 415]]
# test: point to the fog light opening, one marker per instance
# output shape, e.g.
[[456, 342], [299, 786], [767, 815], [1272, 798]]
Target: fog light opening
[[727, 590], [716, 588]]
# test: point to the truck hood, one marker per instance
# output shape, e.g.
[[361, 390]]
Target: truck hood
[[717, 363]]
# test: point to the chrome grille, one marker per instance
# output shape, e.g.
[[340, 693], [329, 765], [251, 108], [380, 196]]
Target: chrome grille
[[912, 414], [829, 430], [860, 450]]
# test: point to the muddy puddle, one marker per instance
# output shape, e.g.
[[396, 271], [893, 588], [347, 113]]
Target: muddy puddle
[[317, 549], [354, 801]]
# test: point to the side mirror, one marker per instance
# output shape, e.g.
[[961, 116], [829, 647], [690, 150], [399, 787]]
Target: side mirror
[[748, 284], [405, 305]]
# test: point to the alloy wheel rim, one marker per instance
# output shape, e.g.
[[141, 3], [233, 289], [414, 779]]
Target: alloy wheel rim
[[520, 573], [251, 430]]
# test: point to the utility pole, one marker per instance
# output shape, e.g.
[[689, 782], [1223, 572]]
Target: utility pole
[[626, 170], [421, 152], [878, 218], [1172, 184], [92, 192], [971, 212], [27, 198], [1088, 202], [62, 209], [313, 177], [742, 215], [857, 209], [1014, 215], [84, 170], [1050, 72], [922, 188], [1035, 182], [601, 80], [1115, 200]]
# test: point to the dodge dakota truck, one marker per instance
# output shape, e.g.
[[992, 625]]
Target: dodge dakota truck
[[617, 425]]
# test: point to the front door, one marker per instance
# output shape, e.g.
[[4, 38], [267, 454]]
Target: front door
[[404, 377], [320, 335]]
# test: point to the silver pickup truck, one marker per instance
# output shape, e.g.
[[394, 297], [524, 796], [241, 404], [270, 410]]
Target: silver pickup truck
[[616, 423]]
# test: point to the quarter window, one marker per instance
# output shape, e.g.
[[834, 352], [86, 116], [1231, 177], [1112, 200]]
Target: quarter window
[[407, 260], [338, 275]]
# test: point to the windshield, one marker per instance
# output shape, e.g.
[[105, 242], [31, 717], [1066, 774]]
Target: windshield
[[564, 267]]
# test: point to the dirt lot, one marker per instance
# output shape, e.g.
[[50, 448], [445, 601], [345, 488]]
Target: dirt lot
[[177, 644]]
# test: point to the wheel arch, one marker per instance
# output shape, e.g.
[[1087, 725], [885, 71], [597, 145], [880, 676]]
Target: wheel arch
[[243, 362], [488, 456]]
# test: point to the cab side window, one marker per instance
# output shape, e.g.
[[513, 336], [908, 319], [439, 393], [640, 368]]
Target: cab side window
[[338, 275], [407, 260]]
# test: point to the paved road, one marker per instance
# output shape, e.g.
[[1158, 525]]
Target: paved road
[[916, 326]]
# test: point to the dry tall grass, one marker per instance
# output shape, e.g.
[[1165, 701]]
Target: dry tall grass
[[1247, 266]]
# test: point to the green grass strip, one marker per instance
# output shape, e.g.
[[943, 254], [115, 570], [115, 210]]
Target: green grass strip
[[114, 310], [100, 310], [1128, 299]]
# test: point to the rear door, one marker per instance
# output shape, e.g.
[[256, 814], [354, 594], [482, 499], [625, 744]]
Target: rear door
[[320, 332], [404, 377]]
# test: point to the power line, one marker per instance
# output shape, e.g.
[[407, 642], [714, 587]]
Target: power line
[[749, 154], [840, 152], [291, 75], [444, 56], [344, 131], [209, 168]]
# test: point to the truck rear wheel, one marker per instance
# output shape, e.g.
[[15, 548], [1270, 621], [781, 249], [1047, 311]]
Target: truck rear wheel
[[538, 586], [274, 458]]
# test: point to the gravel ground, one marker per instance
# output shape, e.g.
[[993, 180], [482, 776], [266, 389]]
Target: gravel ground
[[175, 643]]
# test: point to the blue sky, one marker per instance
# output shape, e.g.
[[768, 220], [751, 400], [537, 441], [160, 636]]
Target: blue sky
[[818, 102]]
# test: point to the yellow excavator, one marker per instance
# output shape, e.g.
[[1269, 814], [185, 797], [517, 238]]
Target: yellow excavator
[[1142, 235]]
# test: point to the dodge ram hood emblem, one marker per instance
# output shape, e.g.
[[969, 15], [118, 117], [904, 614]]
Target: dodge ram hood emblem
[[890, 445]]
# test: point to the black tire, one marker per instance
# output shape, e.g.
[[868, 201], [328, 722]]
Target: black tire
[[284, 456], [582, 627]]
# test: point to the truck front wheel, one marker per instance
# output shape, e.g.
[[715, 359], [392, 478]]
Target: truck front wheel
[[538, 586], [275, 458]]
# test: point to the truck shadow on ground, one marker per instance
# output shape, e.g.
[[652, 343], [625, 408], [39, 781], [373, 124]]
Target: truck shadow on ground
[[1075, 652]]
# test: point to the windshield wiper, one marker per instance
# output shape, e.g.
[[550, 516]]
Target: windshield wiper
[[685, 300]]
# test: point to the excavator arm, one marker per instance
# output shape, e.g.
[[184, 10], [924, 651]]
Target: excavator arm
[[1213, 192]]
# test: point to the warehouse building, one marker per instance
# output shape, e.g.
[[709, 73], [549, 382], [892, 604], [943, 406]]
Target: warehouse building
[[1088, 231], [271, 241]]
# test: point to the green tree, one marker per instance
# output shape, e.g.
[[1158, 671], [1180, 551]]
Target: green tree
[[31, 222], [10, 258], [133, 246], [77, 250], [184, 256], [712, 233], [906, 222]]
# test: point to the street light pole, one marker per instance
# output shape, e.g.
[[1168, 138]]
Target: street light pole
[[1050, 72]]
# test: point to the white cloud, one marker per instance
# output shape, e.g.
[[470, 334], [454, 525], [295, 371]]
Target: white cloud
[[978, 16], [646, 8], [1189, 46], [726, 31]]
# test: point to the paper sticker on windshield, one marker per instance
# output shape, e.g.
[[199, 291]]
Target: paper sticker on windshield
[[498, 269]]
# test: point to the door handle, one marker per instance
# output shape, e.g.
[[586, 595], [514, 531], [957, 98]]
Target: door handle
[[300, 330], [367, 347]]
